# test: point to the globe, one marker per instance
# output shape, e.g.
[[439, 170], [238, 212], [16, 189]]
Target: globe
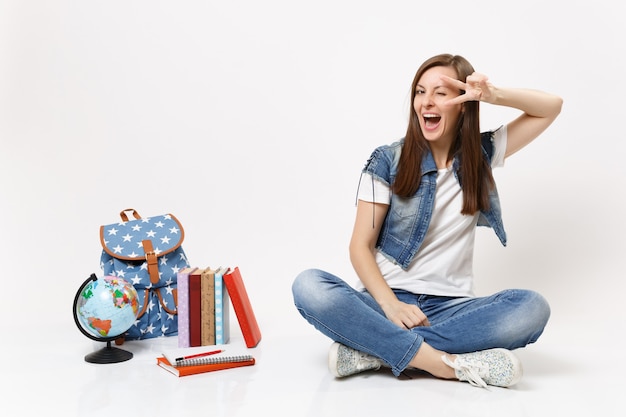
[[104, 309]]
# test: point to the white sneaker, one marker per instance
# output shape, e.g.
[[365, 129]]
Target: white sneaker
[[497, 367], [344, 361]]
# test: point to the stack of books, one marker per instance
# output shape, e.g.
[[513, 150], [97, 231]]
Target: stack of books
[[204, 299]]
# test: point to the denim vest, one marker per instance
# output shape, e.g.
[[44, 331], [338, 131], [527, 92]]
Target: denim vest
[[407, 219]]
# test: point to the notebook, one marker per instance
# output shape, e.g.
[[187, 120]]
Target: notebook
[[205, 364], [213, 360]]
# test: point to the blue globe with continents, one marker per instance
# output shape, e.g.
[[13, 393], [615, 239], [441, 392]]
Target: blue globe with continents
[[104, 309]]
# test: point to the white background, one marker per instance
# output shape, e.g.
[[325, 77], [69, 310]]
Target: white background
[[251, 120]]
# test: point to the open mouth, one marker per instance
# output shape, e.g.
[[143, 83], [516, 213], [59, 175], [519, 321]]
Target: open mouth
[[431, 120]]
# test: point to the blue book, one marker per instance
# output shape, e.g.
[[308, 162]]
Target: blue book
[[222, 308]]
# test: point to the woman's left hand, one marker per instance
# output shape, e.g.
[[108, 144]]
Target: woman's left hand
[[477, 88]]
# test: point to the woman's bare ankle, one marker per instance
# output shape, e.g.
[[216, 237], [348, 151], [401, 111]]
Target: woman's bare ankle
[[428, 359]]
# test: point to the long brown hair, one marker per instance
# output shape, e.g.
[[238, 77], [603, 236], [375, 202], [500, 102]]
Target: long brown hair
[[474, 171]]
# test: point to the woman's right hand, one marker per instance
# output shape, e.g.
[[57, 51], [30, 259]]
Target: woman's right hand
[[404, 315]]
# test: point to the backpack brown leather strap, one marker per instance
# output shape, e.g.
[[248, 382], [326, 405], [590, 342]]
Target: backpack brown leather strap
[[124, 216], [151, 260]]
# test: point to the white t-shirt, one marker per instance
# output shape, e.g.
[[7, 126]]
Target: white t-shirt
[[444, 263]]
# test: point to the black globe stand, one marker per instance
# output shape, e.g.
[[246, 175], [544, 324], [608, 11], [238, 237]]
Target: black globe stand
[[108, 354]]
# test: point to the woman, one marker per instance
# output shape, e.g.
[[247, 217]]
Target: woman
[[419, 202]]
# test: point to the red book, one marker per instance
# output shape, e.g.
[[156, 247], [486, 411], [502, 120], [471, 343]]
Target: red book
[[195, 308], [242, 306]]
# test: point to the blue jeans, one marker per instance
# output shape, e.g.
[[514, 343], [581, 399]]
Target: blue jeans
[[508, 319]]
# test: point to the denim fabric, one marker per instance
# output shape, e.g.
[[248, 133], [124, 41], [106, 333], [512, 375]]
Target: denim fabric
[[509, 319], [407, 220]]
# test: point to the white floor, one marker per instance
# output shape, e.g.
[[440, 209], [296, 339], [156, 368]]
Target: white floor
[[568, 372]]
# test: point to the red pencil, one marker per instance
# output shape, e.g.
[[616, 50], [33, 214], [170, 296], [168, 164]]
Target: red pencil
[[198, 355]]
